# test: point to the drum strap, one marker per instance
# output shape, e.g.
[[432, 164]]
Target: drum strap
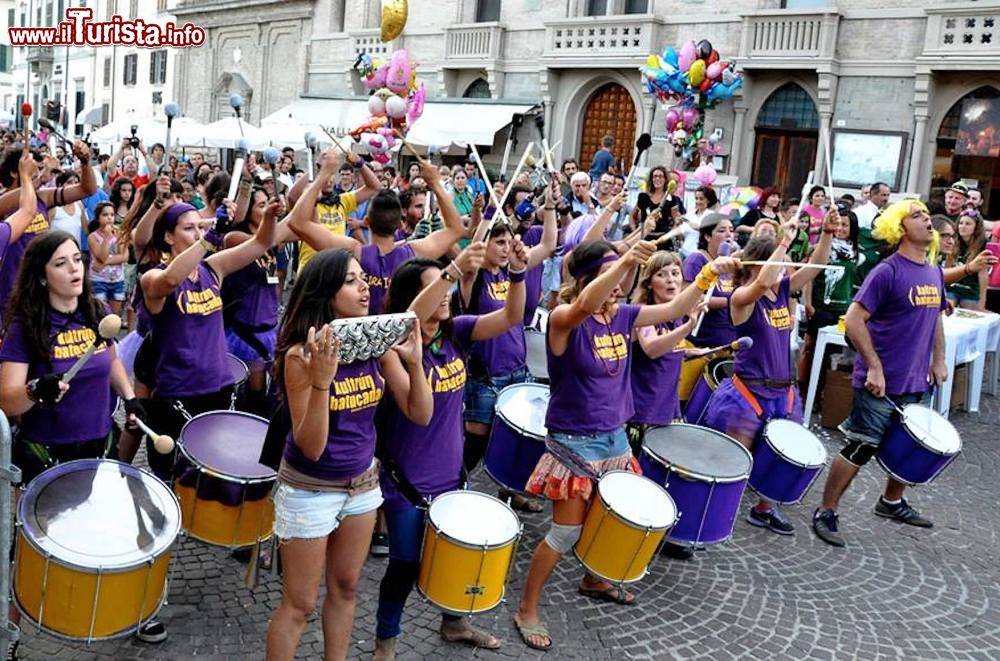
[[410, 492], [751, 399], [570, 459], [248, 333]]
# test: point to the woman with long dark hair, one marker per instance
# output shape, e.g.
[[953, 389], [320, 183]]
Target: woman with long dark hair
[[328, 491], [715, 329], [970, 291], [660, 184], [122, 197]]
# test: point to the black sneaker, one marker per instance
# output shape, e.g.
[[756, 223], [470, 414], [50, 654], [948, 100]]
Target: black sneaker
[[152, 632], [825, 527], [901, 512], [770, 519], [676, 551], [380, 545], [12, 650]]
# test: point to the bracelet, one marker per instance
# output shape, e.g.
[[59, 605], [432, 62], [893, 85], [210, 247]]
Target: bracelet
[[457, 273], [706, 278], [549, 208], [517, 276], [445, 275]]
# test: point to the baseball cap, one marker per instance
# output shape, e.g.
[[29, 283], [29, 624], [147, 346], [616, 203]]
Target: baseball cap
[[525, 210], [959, 188]]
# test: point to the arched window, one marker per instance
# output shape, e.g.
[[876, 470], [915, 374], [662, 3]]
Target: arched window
[[789, 108], [967, 145], [479, 89]]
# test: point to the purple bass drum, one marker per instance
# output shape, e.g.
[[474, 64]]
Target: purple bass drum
[[518, 438], [705, 472], [787, 459], [716, 371], [919, 445]]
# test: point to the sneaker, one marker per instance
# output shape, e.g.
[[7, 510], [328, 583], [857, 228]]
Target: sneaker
[[676, 551], [825, 527], [901, 512], [770, 519], [12, 650], [380, 545], [152, 632]]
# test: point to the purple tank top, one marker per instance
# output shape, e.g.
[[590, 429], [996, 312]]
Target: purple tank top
[[590, 383], [505, 353], [378, 270], [15, 251], [770, 328], [191, 340], [249, 299], [431, 457], [715, 327], [655, 381], [350, 444]]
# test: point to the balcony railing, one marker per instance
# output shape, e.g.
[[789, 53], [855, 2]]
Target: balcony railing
[[787, 34], [475, 41], [966, 30], [39, 54], [370, 41], [601, 37]]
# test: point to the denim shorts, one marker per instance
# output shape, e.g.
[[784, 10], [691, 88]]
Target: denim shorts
[[301, 514], [595, 447], [108, 291], [481, 396], [871, 416]]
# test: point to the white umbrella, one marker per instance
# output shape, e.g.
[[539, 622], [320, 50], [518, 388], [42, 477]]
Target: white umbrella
[[188, 132], [147, 130], [286, 132], [227, 133]]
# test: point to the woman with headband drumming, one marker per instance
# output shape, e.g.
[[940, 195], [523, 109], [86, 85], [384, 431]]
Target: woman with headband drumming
[[429, 458], [589, 357], [185, 306], [328, 483], [715, 329], [763, 386]]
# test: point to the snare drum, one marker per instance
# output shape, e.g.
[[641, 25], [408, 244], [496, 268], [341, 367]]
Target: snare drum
[[536, 358], [787, 459], [94, 540], [469, 542], [223, 490], [517, 441], [919, 445], [705, 472], [715, 372], [624, 527]]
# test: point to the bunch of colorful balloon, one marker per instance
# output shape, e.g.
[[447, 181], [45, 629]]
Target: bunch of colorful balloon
[[396, 102], [739, 200], [694, 78]]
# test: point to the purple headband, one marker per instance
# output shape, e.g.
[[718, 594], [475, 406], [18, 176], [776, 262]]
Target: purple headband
[[174, 213], [580, 270]]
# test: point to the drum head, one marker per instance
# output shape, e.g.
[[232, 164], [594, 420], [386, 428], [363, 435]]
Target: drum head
[[473, 518], [637, 499], [719, 370], [699, 451], [94, 513], [932, 429], [522, 406], [537, 361], [795, 442], [237, 368], [227, 442]]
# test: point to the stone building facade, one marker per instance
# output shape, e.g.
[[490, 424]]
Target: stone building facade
[[882, 75]]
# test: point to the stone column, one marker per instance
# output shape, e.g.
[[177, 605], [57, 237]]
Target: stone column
[[915, 182], [819, 167], [736, 143]]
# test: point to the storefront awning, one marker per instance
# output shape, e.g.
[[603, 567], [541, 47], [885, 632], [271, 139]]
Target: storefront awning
[[443, 122]]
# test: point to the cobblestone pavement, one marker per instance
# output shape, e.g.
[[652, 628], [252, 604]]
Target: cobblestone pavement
[[895, 592]]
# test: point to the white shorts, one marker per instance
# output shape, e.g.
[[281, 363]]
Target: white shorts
[[301, 514]]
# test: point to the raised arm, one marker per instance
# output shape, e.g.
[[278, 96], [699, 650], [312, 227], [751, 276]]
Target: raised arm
[[689, 297], [73, 192], [142, 234], [309, 373], [440, 242], [233, 259], [550, 227], [369, 180], [27, 198], [301, 218], [769, 275], [403, 368], [820, 255]]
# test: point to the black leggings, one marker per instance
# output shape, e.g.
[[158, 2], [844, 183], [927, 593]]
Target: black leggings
[[165, 417]]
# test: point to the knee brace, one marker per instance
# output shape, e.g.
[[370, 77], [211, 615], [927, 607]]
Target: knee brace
[[858, 453], [561, 538]]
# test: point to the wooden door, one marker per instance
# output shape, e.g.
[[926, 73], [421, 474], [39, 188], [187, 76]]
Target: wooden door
[[609, 112], [783, 160]]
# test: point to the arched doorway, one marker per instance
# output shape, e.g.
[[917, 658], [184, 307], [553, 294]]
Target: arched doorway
[[968, 143], [610, 111], [786, 131], [479, 89]]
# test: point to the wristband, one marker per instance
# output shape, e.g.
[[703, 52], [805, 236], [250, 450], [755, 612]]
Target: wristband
[[445, 275], [517, 276], [705, 278], [549, 208]]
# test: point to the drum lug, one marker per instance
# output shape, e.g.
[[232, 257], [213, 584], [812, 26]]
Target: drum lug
[[10, 473]]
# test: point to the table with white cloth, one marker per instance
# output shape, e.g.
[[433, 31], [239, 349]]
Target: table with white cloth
[[967, 338]]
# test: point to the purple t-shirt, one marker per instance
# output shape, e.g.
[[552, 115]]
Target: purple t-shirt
[[533, 278], [378, 270], [715, 327], [505, 353], [15, 251], [84, 413], [590, 384], [350, 443], [770, 328], [655, 381], [904, 300], [249, 299], [192, 343], [431, 457]]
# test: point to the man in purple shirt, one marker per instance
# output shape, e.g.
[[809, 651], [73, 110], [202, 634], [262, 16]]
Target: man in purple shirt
[[895, 324]]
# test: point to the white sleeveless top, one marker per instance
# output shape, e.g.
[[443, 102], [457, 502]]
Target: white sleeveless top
[[67, 222]]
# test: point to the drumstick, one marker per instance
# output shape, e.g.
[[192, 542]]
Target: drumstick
[[489, 185], [107, 329], [724, 250], [26, 112], [164, 444], [335, 139], [517, 171], [671, 234], [796, 265], [736, 345]]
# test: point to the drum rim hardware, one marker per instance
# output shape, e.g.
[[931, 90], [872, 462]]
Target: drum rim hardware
[[923, 434], [470, 545], [693, 474], [213, 472], [522, 386], [789, 423]]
